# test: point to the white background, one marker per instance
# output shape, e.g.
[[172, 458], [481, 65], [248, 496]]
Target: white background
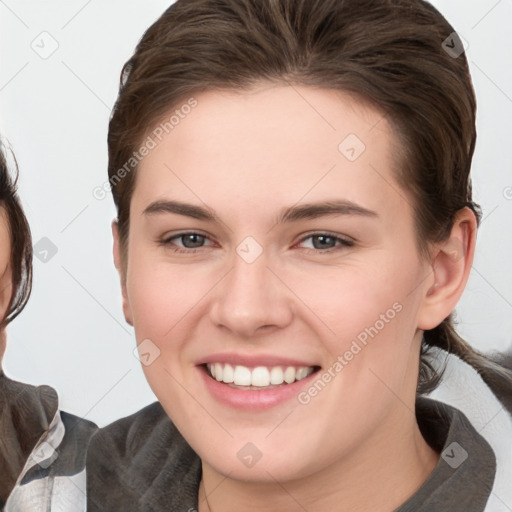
[[55, 112]]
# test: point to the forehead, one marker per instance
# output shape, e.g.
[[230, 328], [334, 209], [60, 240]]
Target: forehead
[[277, 144]]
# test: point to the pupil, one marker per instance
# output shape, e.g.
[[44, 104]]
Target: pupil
[[195, 241], [324, 241]]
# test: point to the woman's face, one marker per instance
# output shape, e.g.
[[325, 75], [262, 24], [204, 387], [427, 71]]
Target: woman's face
[[269, 239]]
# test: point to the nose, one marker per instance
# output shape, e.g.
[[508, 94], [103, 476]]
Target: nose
[[251, 300]]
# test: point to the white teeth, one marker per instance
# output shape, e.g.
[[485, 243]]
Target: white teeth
[[242, 376], [301, 373], [218, 371], [276, 376], [228, 374], [259, 377], [289, 375]]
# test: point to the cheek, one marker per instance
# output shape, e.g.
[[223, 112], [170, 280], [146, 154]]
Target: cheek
[[162, 300], [371, 314], [166, 302], [351, 297], [161, 294]]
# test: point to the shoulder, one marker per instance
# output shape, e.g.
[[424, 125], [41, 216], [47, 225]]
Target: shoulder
[[139, 460], [464, 389], [42, 451], [127, 435]]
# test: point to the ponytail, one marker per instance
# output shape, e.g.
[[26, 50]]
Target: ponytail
[[445, 337]]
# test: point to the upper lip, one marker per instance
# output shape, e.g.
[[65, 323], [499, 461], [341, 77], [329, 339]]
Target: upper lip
[[253, 360]]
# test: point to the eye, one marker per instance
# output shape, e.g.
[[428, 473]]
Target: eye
[[318, 242], [185, 242], [325, 242]]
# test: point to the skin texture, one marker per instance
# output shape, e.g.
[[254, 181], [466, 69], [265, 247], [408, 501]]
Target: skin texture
[[5, 275], [246, 156]]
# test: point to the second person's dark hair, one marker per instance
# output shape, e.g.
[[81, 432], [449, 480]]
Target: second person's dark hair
[[21, 240]]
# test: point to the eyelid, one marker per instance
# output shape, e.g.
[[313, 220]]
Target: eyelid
[[345, 240], [176, 234], [166, 239]]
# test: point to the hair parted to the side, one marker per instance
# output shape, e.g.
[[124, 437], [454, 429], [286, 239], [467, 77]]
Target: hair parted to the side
[[386, 52], [21, 241]]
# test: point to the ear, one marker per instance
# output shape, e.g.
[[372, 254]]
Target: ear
[[451, 264], [121, 267]]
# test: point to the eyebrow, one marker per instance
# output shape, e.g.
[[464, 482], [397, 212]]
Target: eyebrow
[[314, 210], [294, 213], [186, 209]]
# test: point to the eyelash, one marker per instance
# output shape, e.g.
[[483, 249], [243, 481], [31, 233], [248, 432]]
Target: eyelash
[[343, 242]]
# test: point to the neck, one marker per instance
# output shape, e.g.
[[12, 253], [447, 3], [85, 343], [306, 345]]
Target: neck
[[381, 476]]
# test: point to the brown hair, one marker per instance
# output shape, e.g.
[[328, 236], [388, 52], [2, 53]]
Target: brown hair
[[21, 242], [387, 52]]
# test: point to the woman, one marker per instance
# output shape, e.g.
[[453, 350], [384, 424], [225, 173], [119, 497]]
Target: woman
[[42, 450], [295, 227], [15, 286]]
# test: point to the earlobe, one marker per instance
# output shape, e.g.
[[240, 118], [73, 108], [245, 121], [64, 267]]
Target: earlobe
[[121, 268], [451, 266]]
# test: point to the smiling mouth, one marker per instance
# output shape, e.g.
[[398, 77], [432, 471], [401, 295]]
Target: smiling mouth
[[258, 378]]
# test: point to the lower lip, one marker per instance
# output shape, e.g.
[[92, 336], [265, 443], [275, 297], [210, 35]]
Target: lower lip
[[253, 400]]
